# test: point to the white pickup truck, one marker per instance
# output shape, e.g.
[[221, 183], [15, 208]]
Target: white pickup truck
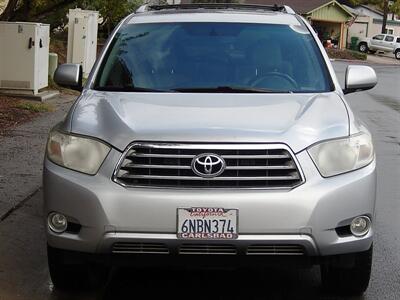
[[379, 42], [396, 49]]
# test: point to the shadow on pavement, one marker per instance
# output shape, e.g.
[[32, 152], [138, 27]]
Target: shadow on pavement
[[214, 284]]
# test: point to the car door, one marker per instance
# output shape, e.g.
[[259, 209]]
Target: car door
[[377, 42], [388, 42], [396, 45]]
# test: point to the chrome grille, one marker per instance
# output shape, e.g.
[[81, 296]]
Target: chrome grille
[[169, 165], [275, 250]]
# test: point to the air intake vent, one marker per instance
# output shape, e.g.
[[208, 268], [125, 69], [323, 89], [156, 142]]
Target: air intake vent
[[245, 166], [207, 249], [275, 250], [147, 248]]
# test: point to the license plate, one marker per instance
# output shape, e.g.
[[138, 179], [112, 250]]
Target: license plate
[[207, 223]]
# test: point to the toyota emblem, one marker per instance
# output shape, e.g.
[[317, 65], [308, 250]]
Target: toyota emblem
[[208, 165]]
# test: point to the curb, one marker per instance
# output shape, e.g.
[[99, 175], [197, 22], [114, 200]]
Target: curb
[[365, 62]]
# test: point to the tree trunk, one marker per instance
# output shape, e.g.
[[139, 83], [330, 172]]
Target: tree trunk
[[9, 11], [385, 15]]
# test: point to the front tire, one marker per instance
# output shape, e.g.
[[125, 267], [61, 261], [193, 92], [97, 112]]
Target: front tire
[[397, 54], [69, 272], [363, 47], [347, 274]]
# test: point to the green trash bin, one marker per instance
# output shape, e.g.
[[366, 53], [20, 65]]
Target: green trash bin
[[354, 43], [53, 63]]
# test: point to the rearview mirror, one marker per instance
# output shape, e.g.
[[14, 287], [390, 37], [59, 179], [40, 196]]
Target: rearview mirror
[[359, 78], [69, 76]]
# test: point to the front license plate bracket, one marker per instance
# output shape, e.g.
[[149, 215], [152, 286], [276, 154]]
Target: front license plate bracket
[[207, 223]]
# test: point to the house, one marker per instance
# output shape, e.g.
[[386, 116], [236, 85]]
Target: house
[[368, 22], [328, 17]]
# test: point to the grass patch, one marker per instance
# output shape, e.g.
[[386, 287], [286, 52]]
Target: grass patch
[[52, 85], [34, 107]]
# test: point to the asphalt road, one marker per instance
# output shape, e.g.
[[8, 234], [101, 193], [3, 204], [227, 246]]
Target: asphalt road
[[23, 269]]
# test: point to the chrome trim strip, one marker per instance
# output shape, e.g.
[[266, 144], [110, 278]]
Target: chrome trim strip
[[174, 167], [225, 146], [193, 156], [241, 243], [233, 168], [221, 178], [261, 168], [161, 155]]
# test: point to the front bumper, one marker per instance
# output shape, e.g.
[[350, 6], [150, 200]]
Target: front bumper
[[306, 216]]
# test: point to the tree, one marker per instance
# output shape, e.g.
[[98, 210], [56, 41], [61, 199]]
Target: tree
[[394, 8], [385, 15], [386, 6], [33, 10], [54, 12], [9, 10], [112, 11]]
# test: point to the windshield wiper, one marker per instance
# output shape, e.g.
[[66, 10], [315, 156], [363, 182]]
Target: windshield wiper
[[129, 89], [227, 89], [218, 89]]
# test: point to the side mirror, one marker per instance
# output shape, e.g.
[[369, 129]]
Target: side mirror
[[359, 78], [69, 76]]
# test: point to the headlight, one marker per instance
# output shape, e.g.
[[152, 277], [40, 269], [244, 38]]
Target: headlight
[[76, 153], [343, 155]]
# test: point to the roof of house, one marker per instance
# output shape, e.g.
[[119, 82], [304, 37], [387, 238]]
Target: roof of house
[[300, 6], [373, 9], [352, 10]]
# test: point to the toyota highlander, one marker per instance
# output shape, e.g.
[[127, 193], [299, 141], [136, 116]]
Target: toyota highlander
[[215, 134]]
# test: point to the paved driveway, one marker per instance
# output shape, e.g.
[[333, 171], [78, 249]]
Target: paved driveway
[[23, 270], [387, 58]]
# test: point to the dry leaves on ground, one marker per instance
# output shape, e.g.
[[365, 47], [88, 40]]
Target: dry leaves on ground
[[15, 111]]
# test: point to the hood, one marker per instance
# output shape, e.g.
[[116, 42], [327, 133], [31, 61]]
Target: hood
[[297, 120]]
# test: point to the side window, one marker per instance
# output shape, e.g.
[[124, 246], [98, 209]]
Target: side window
[[378, 37], [389, 31], [389, 38], [398, 40]]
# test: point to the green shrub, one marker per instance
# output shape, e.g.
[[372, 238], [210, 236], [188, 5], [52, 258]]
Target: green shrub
[[346, 54]]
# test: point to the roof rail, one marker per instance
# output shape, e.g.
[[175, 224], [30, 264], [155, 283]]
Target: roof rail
[[142, 8], [233, 6], [289, 10]]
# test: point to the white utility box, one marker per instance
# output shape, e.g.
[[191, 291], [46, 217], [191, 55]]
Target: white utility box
[[82, 38], [24, 56]]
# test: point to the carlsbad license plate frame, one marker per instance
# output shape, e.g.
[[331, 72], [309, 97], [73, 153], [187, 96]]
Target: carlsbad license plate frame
[[207, 223]]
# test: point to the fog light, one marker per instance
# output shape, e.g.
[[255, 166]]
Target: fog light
[[360, 226], [57, 222]]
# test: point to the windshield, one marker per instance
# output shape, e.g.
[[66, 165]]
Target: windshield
[[213, 57]]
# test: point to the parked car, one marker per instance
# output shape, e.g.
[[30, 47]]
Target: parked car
[[396, 49], [211, 135], [379, 42]]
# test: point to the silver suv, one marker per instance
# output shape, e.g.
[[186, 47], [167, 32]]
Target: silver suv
[[215, 134]]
